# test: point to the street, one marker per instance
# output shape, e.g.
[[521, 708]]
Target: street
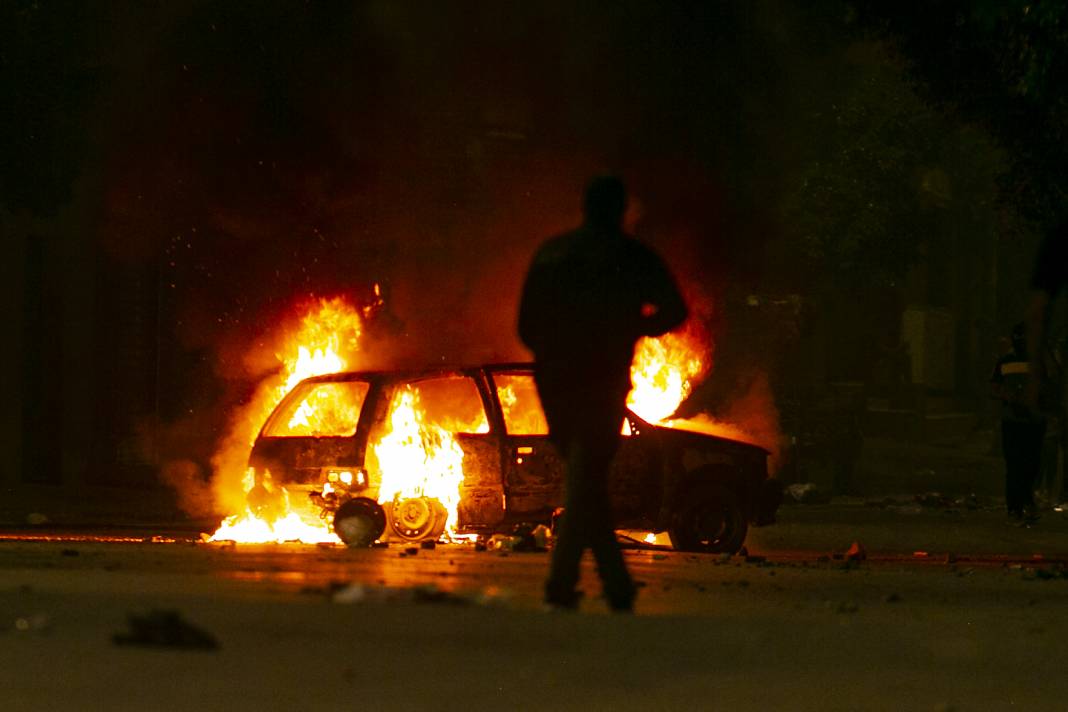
[[795, 625]]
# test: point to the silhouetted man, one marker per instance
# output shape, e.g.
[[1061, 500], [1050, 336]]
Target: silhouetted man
[[589, 296], [1048, 280], [1022, 430]]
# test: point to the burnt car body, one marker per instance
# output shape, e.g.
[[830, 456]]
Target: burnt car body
[[703, 490]]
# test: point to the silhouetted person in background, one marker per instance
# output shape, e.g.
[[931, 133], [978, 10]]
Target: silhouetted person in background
[[589, 296], [1048, 389], [1022, 430]]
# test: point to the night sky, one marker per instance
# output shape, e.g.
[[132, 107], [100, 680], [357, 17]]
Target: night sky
[[250, 154]]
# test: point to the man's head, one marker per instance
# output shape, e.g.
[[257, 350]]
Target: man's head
[[606, 201]]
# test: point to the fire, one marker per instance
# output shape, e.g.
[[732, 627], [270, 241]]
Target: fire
[[663, 374], [664, 371], [326, 341], [417, 458]]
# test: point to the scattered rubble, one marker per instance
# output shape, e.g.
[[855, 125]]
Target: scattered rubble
[[856, 552], [807, 493], [164, 629], [428, 593], [36, 623]]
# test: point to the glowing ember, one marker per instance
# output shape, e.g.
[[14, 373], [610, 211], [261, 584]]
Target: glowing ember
[[419, 459], [664, 371], [326, 341]]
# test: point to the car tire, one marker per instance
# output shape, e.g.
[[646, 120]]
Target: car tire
[[708, 519], [359, 522]]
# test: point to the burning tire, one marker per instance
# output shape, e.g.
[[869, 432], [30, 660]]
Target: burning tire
[[417, 518], [360, 521], [709, 520]]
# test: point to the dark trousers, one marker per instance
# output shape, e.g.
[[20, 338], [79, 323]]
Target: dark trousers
[[1021, 442], [584, 425]]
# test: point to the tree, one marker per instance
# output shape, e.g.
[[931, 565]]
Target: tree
[[999, 63]]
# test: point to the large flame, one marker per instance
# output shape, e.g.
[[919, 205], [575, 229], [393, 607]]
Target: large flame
[[326, 341], [664, 371], [418, 459]]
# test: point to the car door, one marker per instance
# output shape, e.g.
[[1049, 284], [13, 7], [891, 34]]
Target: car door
[[455, 403], [533, 471]]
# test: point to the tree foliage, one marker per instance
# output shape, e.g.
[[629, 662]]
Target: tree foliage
[[999, 63]]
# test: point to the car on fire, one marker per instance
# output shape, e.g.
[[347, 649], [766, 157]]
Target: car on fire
[[322, 442]]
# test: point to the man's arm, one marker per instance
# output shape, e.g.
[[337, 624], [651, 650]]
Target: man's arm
[[664, 308], [533, 307]]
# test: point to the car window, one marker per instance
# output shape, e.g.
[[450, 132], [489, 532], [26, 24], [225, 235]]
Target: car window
[[452, 403], [520, 404], [320, 410]]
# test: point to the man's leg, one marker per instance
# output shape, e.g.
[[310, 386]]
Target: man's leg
[[1010, 446], [602, 443], [618, 587], [1031, 464], [567, 554]]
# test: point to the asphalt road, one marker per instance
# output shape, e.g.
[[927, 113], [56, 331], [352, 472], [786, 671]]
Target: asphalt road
[[963, 627]]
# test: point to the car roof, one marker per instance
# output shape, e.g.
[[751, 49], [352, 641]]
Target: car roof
[[408, 373]]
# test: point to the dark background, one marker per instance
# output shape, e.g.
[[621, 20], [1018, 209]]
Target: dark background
[[851, 194]]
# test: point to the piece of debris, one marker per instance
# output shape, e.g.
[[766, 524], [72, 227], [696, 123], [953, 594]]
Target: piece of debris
[[36, 519], [755, 559], [919, 555], [503, 542], [892, 598], [480, 546], [856, 552], [36, 623], [847, 607], [659, 557], [807, 493], [164, 629], [70, 552], [412, 551], [428, 593], [380, 545], [542, 536], [428, 544]]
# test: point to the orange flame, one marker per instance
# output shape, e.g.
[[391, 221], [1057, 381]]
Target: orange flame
[[664, 371], [327, 341], [418, 459]]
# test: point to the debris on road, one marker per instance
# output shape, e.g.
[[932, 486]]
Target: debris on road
[[856, 552], [164, 629], [429, 593], [807, 493], [36, 623]]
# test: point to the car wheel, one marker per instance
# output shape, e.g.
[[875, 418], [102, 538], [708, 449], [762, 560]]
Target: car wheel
[[709, 520], [359, 522]]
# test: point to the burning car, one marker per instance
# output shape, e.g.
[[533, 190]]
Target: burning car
[[413, 455]]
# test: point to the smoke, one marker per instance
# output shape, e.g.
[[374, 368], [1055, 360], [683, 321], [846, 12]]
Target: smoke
[[194, 494], [255, 155]]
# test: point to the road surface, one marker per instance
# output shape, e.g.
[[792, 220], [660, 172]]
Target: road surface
[[978, 627]]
